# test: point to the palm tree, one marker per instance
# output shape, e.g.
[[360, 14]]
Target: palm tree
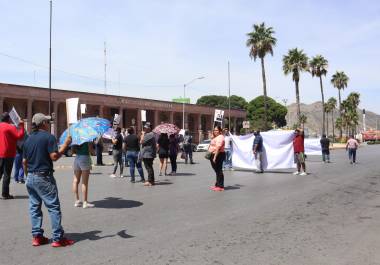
[[295, 62], [261, 42], [339, 81], [318, 67], [332, 105]]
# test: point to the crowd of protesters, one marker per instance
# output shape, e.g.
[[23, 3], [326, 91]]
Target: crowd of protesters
[[33, 155]]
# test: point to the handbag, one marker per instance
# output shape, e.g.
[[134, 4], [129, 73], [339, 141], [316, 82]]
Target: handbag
[[208, 155], [183, 155]]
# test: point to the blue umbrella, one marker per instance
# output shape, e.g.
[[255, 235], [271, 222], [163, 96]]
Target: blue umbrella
[[86, 130]]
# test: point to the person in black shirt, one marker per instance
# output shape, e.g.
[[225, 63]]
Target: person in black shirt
[[258, 151], [325, 145], [163, 152], [117, 153], [132, 147]]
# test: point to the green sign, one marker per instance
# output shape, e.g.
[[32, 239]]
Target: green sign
[[181, 100]]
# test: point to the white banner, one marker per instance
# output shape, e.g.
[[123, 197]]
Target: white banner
[[116, 119], [143, 115], [82, 108], [14, 116], [72, 110], [278, 150], [218, 116]]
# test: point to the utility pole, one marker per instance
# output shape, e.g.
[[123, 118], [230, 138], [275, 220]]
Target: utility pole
[[51, 15], [229, 98]]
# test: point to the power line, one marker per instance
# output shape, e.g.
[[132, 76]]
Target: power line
[[85, 76]]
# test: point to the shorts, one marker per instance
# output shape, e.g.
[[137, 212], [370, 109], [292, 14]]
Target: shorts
[[82, 162], [163, 155], [299, 158]]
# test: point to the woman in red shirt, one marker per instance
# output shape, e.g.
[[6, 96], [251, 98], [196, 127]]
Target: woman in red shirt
[[218, 155]]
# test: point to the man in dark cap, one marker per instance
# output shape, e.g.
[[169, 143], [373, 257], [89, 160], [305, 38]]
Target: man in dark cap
[[40, 150], [9, 135], [258, 151]]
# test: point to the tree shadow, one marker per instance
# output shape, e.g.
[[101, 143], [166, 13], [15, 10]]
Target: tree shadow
[[116, 203], [94, 235]]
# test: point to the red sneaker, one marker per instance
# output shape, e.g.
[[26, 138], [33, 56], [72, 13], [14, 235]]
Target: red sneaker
[[218, 189], [62, 243], [39, 240], [212, 187]]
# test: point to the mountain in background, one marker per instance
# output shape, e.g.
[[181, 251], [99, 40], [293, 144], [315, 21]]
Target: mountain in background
[[314, 118]]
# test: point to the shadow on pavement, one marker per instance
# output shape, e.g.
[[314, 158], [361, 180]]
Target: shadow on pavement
[[116, 203], [184, 174], [94, 235], [234, 187], [158, 183], [21, 197]]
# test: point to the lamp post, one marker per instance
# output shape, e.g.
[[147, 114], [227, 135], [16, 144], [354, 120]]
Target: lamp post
[[51, 12], [184, 95]]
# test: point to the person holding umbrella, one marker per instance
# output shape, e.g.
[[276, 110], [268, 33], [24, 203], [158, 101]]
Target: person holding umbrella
[[163, 151]]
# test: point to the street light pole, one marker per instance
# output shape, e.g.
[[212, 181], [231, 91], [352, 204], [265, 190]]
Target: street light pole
[[229, 98], [51, 11], [183, 101]]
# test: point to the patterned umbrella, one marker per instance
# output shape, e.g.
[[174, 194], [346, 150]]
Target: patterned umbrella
[[86, 130], [166, 128]]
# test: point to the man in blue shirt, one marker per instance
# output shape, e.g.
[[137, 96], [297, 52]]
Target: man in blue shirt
[[40, 150], [258, 151]]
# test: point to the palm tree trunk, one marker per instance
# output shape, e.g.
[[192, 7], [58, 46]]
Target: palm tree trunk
[[264, 92], [332, 124], [298, 103], [340, 114], [323, 106], [327, 125]]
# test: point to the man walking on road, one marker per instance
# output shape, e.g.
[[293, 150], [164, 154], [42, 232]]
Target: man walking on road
[[9, 135], [40, 150], [351, 146], [227, 163], [299, 152], [258, 151], [325, 146]]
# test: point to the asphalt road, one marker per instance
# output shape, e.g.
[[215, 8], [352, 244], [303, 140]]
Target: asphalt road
[[331, 216]]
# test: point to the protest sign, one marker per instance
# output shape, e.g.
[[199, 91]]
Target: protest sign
[[14, 116], [72, 110]]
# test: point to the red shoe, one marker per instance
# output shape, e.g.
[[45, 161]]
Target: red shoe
[[218, 189], [39, 240], [212, 187], [62, 243]]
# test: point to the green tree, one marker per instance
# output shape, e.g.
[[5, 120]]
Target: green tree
[[327, 110], [237, 102], [318, 67], [340, 80], [295, 62], [261, 42], [256, 111]]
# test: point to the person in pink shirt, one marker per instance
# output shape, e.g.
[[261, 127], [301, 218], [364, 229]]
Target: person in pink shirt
[[218, 155], [351, 146]]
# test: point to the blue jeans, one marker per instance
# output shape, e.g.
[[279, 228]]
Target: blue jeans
[[132, 157], [227, 163], [352, 155], [44, 189], [18, 173]]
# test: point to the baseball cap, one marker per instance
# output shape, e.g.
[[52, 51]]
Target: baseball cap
[[39, 118], [147, 125]]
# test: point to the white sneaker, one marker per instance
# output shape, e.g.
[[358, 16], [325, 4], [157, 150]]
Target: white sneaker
[[78, 203], [113, 176], [303, 174], [122, 176], [88, 205], [296, 173]]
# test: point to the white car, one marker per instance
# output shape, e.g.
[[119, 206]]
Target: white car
[[203, 146]]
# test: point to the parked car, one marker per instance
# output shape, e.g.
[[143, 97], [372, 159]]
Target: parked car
[[203, 146]]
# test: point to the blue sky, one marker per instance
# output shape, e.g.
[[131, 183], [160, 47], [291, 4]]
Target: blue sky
[[154, 47]]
